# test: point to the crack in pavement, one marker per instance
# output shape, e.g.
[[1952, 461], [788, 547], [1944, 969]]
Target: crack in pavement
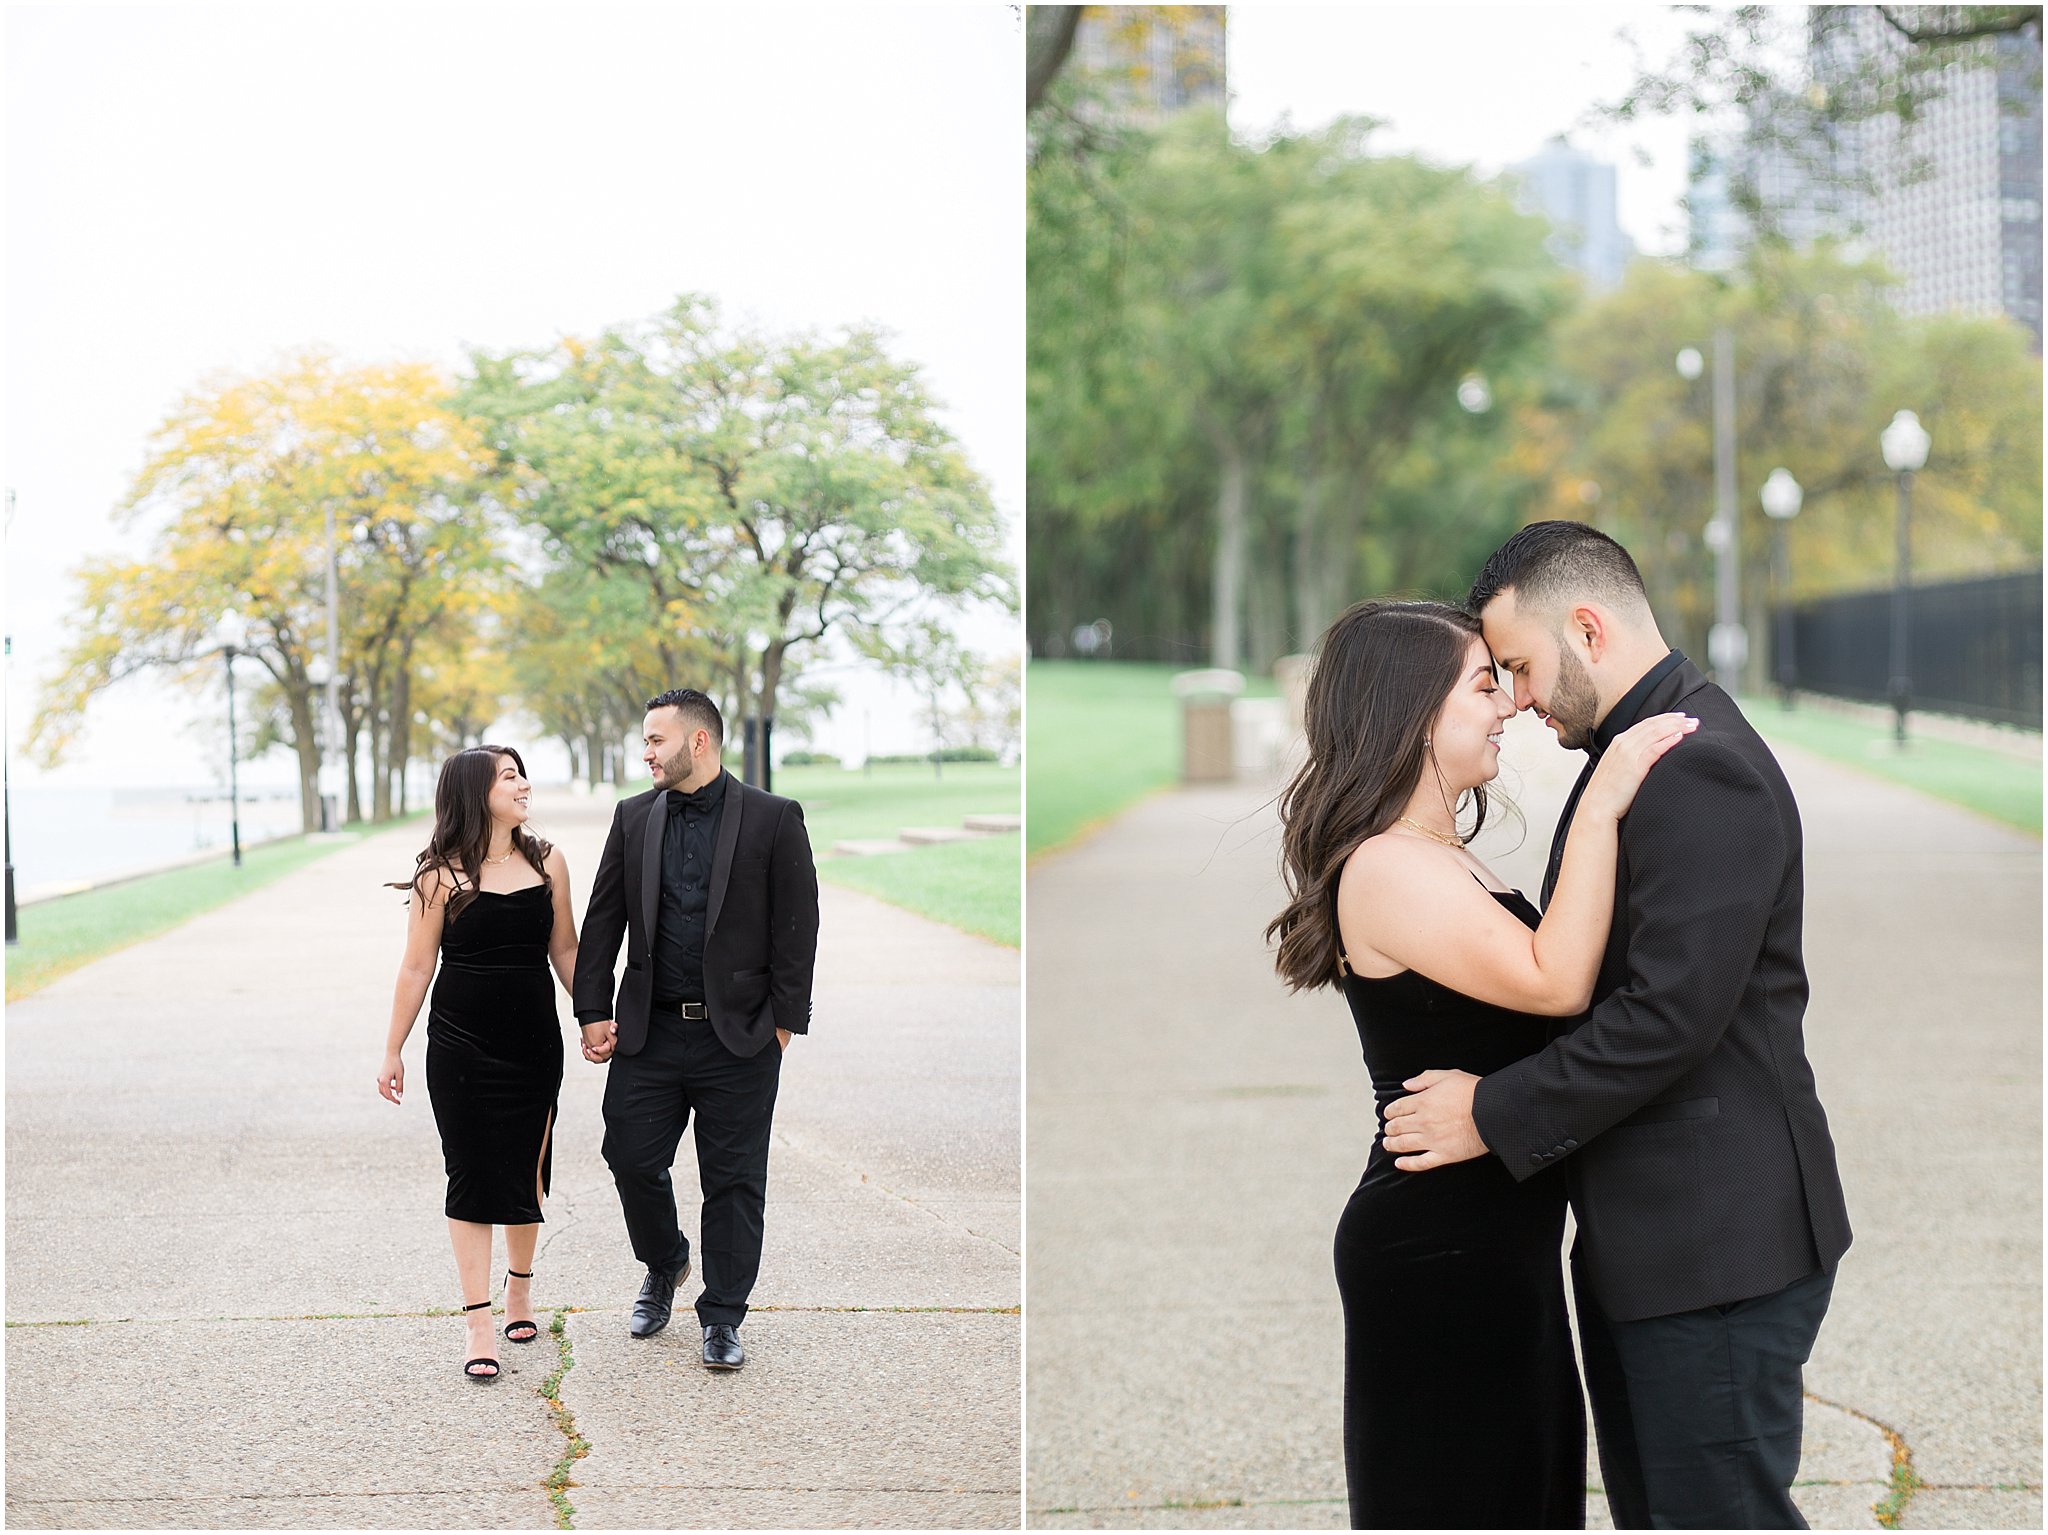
[[392, 1316], [277, 1496], [557, 1482], [868, 1180], [999, 1492], [1889, 1508]]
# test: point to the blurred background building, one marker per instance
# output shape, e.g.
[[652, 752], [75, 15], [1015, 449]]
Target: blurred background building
[[1950, 201], [1576, 193]]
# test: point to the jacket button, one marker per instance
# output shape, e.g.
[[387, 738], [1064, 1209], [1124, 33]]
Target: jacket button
[[1571, 1145], [1536, 1156]]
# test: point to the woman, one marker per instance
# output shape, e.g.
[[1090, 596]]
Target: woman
[[1461, 1401], [493, 899]]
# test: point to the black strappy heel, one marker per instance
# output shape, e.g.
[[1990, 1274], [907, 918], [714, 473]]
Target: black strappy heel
[[469, 1366], [528, 1330]]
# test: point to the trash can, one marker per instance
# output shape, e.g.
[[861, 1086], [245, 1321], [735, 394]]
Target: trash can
[[1208, 749]]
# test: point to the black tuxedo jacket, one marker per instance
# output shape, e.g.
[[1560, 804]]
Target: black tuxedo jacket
[[760, 921], [1696, 1151]]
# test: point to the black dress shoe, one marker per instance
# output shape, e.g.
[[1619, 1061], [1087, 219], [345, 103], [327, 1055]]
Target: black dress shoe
[[657, 1297], [722, 1349]]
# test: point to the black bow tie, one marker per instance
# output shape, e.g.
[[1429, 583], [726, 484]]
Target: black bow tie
[[699, 800]]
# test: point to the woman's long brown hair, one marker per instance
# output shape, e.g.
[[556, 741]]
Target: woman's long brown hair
[[1382, 673], [462, 828]]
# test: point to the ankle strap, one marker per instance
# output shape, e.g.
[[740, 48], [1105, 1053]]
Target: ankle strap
[[478, 1306], [515, 1274]]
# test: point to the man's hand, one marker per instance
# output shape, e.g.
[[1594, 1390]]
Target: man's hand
[[600, 1038], [782, 1038], [1433, 1127]]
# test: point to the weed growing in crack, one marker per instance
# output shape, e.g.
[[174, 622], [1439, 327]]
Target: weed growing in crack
[[1905, 1482], [558, 1482]]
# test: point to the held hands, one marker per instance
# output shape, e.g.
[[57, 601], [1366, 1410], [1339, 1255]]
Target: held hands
[[1624, 765], [600, 1038], [391, 1079], [1433, 1127]]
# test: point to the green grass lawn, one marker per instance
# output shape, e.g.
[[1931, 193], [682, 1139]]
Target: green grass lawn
[[1993, 783], [973, 886], [57, 936], [1101, 736], [969, 885], [839, 805]]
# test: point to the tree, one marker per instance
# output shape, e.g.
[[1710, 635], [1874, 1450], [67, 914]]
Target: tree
[[584, 657], [932, 660], [761, 492], [1267, 329], [1826, 96], [1050, 32], [1822, 363], [993, 716], [237, 481]]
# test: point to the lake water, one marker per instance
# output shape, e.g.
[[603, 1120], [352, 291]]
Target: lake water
[[62, 835]]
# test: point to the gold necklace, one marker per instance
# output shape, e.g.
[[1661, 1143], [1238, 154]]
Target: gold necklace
[[502, 857], [1431, 832]]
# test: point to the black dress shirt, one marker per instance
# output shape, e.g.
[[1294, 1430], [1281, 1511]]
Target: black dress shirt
[[687, 842], [1617, 719]]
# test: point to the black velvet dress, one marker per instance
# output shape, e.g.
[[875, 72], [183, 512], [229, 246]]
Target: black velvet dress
[[494, 1056], [1461, 1400]]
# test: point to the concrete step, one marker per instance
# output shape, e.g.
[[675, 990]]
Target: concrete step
[[925, 835], [864, 847], [991, 824]]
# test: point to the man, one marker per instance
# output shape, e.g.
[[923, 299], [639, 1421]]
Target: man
[[1697, 1156], [711, 884]]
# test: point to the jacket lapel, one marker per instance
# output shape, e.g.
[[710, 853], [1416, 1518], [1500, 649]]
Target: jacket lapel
[[1555, 863], [650, 864], [721, 857]]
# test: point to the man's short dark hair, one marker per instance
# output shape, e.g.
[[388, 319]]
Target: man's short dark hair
[[697, 710], [1552, 564]]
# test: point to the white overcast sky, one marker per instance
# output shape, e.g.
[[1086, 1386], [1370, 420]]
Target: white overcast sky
[[1479, 85], [191, 188]]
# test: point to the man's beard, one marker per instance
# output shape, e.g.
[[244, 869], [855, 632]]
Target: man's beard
[[676, 768], [1574, 705]]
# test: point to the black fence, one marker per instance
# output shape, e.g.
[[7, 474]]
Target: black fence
[[1974, 647]]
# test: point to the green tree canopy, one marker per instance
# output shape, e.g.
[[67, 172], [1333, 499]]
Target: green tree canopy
[[237, 485], [1232, 348], [757, 492]]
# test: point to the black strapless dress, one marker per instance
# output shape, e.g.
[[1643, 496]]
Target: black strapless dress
[[1461, 1400], [494, 1056]]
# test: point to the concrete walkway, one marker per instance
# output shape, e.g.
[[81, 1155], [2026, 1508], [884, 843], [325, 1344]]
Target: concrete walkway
[[1193, 1133], [226, 1254]]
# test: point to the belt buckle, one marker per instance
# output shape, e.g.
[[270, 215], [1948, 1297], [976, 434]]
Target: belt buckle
[[690, 1009]]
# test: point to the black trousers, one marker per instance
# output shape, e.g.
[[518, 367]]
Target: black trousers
[[1697, 1414], [684, 1071]]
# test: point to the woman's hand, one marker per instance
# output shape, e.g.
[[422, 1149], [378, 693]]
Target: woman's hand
[[1624, 765], [391, 1079]]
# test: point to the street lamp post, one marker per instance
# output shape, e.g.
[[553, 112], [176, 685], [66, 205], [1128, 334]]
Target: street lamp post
[[1728, 642], [1905, 443], [1782, 497], [232, 632], [7, 779], [320, 674], [331, 778], [6, 806]]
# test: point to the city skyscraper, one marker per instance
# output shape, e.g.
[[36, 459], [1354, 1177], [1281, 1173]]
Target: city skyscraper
[[1577, 194], [1951, 201]]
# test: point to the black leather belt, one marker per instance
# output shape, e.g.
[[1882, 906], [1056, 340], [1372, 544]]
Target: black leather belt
[[682, 1009]]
